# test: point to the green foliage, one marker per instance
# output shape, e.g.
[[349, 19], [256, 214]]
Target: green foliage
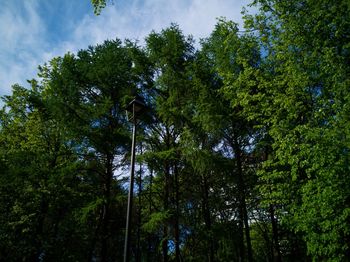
[[37, 186], [98, 6], [155, 221], [306, 56]]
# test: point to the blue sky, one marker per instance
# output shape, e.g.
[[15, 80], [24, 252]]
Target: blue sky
[[34, 31]]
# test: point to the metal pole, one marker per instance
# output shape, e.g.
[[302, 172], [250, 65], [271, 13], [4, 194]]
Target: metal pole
[[131, 191]]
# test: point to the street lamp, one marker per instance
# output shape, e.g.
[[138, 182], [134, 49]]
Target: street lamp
[[134, 110]]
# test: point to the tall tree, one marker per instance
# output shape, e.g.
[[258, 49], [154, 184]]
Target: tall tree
[[41, 186], [231, 55], [171, 53], [88, 94], [307, 44]]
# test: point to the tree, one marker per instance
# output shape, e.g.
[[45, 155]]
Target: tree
[[170, 53], [41, 186], [232, 57], [308, 47], [87, 93]]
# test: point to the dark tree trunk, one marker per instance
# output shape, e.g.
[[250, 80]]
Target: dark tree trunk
[[149, 237], [166, 199], [207, 217], [165, 206], [177, 214], [94, 239], [106, 207], [276, 246], [44, 205], [242, 198], [242, 256], [276, 252], [138, 253]]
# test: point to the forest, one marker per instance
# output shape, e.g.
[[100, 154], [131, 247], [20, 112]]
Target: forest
[[242, 155]]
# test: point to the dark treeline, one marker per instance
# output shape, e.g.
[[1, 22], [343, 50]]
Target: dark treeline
[[244, 155]]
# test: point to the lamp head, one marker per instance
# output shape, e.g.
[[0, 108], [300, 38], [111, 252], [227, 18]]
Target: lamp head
[[135, 108]]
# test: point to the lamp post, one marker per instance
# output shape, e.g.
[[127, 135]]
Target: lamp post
[[134, 109]]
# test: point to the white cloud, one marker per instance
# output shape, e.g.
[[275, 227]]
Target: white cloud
[[22, 30], [201, 15], [139, 18], [26, 45]]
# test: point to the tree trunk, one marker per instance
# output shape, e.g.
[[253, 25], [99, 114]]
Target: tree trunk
[[207, 217], [177, 214], [44, 205], [138, 247], [149, 236], [276, 252], [165, 206], [94, 239], [242, 197], [241, 236], [106, 207], [166, 199], [276, 246], [138, 253]]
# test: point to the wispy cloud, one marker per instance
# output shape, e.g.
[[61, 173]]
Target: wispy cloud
[[27, 39], [21, 29]]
